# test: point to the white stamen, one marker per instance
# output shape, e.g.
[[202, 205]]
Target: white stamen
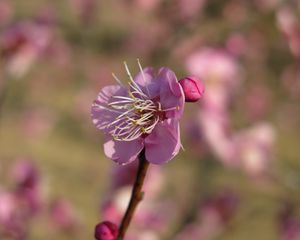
[[117, 79], [132, 83], [169, 109], [143, 75]]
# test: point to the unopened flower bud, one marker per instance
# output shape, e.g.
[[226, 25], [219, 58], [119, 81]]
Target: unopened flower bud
[[193, 88], [106, 231]]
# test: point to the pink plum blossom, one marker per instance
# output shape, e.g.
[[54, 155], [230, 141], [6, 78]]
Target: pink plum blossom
[[144, 116], [28, 190], [25, 174], [85, 9], [21, 45], [237, 44], [6, 11], [248, 149], [8, 205], [148, 5], [290, 26], [215, 126], [190, 8], [254, 148], [212, 217], [289, 223], [62, 214], [221, 75], [220, 72], [13, 218]]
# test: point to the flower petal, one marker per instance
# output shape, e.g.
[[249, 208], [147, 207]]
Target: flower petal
[[123, 152], [164, 142], [146, 81], [171, 93], [100, 112]]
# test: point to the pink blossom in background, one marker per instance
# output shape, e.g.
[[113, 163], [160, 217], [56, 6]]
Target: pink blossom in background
[[21, 45], [84, 9], [254, 149], [248, 149], [211, 218], [290, 26], [62, 215], [22, 203], [145, 116], [148, 5], [289, 223], [237, 44], [11, 220], [8, 207], [220, 73], [143, 235], [214, 64], [222, 77], [217, 133], [25, 174], [28, 190], [190, 8], [6, 11]]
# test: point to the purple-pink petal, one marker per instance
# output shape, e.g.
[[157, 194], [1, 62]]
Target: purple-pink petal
[[100, 113], [123, 152], [146, 81], [171, 93], [164, 142]]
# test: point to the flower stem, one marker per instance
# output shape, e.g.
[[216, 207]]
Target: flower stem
[[136, 195]]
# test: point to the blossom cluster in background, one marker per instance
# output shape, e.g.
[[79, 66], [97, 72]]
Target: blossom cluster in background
[[239, 170]]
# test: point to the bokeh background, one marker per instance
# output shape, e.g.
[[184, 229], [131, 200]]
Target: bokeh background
[[238, 176]]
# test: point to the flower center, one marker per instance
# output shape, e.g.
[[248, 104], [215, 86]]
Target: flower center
[[137, 118]]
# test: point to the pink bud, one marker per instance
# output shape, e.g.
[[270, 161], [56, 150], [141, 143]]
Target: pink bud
[[106, 231], [193, 88]]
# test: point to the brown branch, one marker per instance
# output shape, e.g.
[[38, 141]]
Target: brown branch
[[136, 195]]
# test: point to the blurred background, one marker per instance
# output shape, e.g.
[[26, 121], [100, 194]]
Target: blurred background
[[238, 177]]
